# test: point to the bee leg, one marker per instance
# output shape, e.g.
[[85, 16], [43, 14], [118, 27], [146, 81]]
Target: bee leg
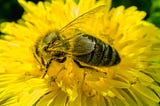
[[97, 69], [46, 68], [49, 62], [40, 63], [81, 66]]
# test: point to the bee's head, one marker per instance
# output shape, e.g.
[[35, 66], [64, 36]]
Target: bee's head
[[50, 46], [45, 43], [50, 38]]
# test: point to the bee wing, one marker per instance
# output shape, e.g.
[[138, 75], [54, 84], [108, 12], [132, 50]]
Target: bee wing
[[82, 22], [74, 30], [82, 45]]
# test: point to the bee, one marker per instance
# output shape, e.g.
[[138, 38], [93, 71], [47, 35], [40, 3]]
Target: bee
[[72, 41]]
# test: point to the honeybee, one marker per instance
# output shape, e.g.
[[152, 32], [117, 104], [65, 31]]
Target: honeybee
[[71, 41]]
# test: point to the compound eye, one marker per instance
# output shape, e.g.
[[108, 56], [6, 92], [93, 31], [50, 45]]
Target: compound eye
[[50, 37]]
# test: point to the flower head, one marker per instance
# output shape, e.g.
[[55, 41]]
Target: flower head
[[134, 81]]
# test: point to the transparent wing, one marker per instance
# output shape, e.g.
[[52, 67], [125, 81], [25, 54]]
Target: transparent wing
[[74, 30], [81, 23]]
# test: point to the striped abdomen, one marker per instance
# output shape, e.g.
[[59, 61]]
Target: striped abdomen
[[101, 54]]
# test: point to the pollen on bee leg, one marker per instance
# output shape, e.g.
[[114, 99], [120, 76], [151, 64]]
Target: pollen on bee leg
[[53, 78], [51, 81]]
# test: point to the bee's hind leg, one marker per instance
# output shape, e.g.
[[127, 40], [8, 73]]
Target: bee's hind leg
[[93, 68]]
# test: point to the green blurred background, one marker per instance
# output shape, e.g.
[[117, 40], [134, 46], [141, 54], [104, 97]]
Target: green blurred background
[[10, 10]]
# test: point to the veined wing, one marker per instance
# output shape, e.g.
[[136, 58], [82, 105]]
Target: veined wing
[[79, 24], [74, 30]]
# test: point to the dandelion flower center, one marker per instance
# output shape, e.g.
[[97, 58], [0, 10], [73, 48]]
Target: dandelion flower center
[[42, 61]]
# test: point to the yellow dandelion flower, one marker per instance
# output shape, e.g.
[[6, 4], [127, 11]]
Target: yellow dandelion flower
[[133, 82]]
